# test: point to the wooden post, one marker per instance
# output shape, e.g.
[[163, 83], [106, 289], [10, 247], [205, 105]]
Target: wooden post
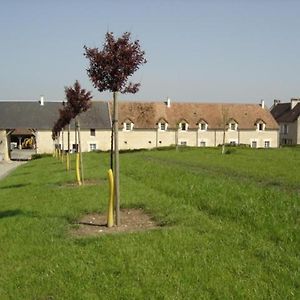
[[116, 159]]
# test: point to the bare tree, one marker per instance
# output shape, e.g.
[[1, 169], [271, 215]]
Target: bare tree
[[109, 70], [224, 112]]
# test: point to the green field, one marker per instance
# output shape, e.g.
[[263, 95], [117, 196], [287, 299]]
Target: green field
[[229, 228]]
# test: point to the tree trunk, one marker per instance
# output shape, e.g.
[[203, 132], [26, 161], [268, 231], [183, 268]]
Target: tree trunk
[[62, 145], [76, 148], [223, 143], [80, 152], [112, 146], [116, 159], [68, 154]]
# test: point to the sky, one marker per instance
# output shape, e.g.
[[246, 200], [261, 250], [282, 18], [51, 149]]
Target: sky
[[197, 51]]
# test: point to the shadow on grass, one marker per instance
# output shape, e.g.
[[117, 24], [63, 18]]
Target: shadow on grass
[[10, 213], [14, 186]]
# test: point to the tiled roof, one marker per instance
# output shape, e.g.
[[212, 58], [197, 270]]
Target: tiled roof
[[23, 115], [282, 112], [146, 115]]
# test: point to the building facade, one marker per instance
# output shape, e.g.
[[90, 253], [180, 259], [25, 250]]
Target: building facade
[[287, 116], [141, 125], [154, 124]]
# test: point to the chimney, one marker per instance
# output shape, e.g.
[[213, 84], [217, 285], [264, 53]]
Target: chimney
[[276, 101], [262, 103], [168, 102], [294, 102], [42, 100]]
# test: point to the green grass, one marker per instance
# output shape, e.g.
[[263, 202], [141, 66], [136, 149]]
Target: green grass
[[229, 228]]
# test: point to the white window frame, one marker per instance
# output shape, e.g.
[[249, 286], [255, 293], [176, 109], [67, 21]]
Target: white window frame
[[186, 126], [128, 126], [90, 148], [235, 126], [203, 141], [160, 126], [254, 141], [267, 141], [205, 126], [263, 126], [182, 142]]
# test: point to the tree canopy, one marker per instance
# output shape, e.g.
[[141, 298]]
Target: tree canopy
[[110, 68]]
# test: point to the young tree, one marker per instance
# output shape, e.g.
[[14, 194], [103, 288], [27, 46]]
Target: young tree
[[78, 101], [66, 116], [224, 113], [109, 70]]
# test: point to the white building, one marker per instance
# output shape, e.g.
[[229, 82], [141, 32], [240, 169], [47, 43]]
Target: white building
[[142, 125]]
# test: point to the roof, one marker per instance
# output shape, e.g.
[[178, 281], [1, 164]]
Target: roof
[[282, 112], [146, 115], [23, 115]]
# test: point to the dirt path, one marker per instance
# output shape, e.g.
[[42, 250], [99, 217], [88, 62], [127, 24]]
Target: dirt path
[[7, 167]]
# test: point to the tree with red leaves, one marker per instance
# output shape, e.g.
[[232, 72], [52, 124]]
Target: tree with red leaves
[[109, 70], [78, 101]]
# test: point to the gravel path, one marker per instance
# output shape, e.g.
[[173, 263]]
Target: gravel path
[[7, 167]]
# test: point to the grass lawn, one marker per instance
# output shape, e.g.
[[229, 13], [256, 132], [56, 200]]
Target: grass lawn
[[229, 228]]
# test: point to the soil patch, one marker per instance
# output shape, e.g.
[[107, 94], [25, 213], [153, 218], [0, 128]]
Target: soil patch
[[132, 220]]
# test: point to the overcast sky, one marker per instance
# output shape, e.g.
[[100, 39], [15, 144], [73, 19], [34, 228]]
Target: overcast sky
[[197, 51]]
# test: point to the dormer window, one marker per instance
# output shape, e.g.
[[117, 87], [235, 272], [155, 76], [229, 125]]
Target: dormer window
[[128, 126], [162, 126], [232, 126], [183, 126], [203, 126], [260, 125]]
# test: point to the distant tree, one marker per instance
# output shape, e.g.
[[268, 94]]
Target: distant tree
[[66, 115], [109, 70], [78, 101], [224, 114]]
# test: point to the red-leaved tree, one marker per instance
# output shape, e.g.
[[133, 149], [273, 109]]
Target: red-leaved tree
[[78, 101], [109, 70]]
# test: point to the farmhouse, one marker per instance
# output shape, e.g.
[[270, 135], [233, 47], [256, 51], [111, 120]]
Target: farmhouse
[[29, 125], [288, 117], [142, 125], [157, 124]]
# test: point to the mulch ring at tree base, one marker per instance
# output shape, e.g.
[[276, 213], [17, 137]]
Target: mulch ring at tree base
[[132, 220]]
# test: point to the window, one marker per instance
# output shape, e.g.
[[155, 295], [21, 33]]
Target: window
[[162, 126], [127, 126], [254, 144], [202, 144], [183, 126], [93, 147], [203, 126], [261, 126], [183, 143], [232, 143], [284, 128], [232, 126], [93, 132], [267, 144]]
